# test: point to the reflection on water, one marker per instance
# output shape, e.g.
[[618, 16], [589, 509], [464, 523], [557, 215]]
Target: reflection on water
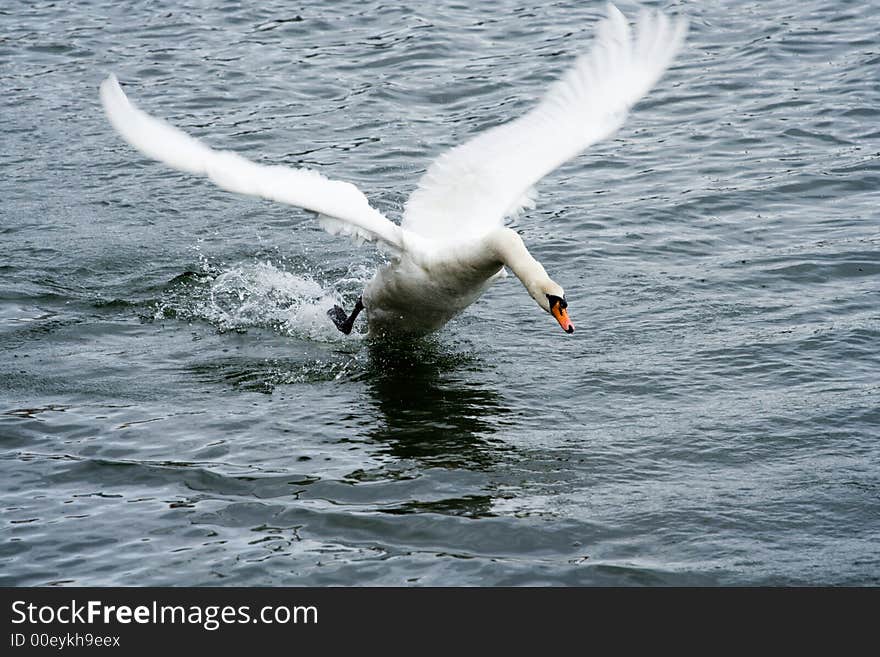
[[429, 409], [470, 506], [431, 401]]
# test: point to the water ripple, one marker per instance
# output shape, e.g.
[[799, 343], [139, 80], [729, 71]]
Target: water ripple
[[175, 406]]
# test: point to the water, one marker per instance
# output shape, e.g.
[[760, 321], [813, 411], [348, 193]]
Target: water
[[176, 409]]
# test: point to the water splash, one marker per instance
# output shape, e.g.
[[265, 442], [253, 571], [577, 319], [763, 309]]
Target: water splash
[[260, 294]]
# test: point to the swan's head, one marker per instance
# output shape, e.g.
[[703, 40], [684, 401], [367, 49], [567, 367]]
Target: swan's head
[[551, 297], [548, 294]]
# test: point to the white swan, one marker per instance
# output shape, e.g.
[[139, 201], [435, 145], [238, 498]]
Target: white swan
[[452, 244]]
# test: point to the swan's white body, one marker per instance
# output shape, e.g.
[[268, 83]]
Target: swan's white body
[[451, 245], [406, 296]]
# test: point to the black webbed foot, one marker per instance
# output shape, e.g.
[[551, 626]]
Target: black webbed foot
[[337, 314], [342, 321]]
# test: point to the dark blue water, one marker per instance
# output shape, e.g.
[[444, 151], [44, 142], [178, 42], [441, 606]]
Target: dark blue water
[[175, 408]]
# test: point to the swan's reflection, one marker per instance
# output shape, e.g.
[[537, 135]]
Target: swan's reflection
[[429, 409]]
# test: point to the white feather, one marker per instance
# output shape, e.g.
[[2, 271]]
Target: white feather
[[349, 209], [469, 190], [452, 245]]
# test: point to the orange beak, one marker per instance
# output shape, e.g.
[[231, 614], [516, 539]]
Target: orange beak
[[561, 315]]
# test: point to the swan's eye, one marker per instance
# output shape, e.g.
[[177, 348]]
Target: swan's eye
[[553, 299]]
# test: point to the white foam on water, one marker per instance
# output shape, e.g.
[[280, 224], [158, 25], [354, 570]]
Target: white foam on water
[[261, 294]]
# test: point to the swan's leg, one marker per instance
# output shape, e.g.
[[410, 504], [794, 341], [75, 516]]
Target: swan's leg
[[345, 323]]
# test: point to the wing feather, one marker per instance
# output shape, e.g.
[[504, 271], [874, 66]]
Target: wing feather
[[342, 207], [470, 189]]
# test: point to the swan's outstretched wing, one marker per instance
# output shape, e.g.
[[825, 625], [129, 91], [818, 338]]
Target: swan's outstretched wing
[[470, 189], [341, 206]]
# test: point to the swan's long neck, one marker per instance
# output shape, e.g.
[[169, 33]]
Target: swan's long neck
[[510, 249]]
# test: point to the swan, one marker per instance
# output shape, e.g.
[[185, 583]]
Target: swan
[[452, 243]]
